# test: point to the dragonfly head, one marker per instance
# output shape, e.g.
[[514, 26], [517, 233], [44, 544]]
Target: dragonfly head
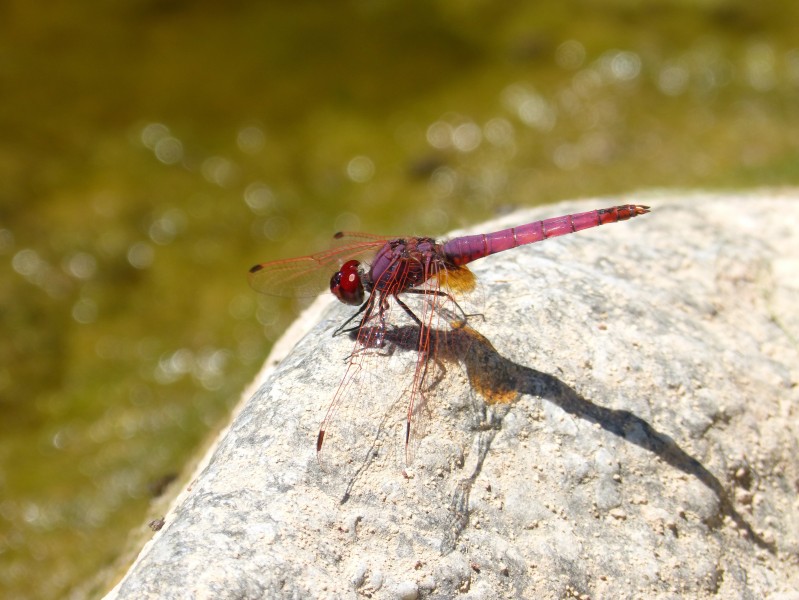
[[346, 284]]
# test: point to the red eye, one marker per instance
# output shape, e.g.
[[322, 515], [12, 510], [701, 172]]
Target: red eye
[[346, 284]]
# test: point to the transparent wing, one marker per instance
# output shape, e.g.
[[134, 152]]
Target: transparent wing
[[310, 275], [397, 366]]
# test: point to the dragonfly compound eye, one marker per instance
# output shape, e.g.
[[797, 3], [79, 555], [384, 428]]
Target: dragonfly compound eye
[[346, 284]]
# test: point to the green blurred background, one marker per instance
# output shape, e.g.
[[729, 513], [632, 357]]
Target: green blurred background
[[152, 150]]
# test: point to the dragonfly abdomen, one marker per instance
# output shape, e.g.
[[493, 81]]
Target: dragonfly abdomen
[[465, 249]]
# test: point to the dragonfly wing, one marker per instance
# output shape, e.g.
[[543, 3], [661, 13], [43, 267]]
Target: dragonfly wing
[[353, 237], [397, 368], [293, 277], [308, 276], [364, 405], [432, 354]]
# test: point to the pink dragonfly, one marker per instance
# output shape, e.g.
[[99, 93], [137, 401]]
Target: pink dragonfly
[[395, 270]]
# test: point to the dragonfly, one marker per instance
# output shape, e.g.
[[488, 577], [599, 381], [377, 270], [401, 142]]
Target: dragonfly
[[372, 272]]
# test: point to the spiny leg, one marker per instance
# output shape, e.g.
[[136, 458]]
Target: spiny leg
[[445, 295], [407, 309], [366, 307]]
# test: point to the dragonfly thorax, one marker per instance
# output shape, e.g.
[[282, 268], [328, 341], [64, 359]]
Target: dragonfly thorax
[[347, 285], [405, 263]]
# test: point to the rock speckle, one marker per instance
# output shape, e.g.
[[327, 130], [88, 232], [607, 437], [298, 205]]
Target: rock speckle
[[649, 446]]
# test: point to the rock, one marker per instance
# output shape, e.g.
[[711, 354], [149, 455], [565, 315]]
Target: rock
[[648, 447]]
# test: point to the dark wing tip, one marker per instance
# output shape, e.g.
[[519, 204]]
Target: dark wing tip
[[320, 439], [256, 268], [338, 235]]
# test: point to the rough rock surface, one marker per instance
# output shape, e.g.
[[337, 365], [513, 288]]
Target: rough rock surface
[[649, 448]]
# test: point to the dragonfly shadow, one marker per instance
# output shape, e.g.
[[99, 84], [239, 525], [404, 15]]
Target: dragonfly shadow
[[500, 382], [636, 430]]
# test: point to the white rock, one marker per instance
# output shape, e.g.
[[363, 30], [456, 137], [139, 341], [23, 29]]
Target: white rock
[[655, 363]]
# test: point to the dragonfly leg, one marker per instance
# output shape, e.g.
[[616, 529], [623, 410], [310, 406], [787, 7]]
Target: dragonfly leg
[[366, 308], [366, 345], [417, 404], [446, 295], [369, 336], [381, 314], [407, 309]]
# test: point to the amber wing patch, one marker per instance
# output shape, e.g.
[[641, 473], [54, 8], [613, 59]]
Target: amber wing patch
[[456, 279]]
